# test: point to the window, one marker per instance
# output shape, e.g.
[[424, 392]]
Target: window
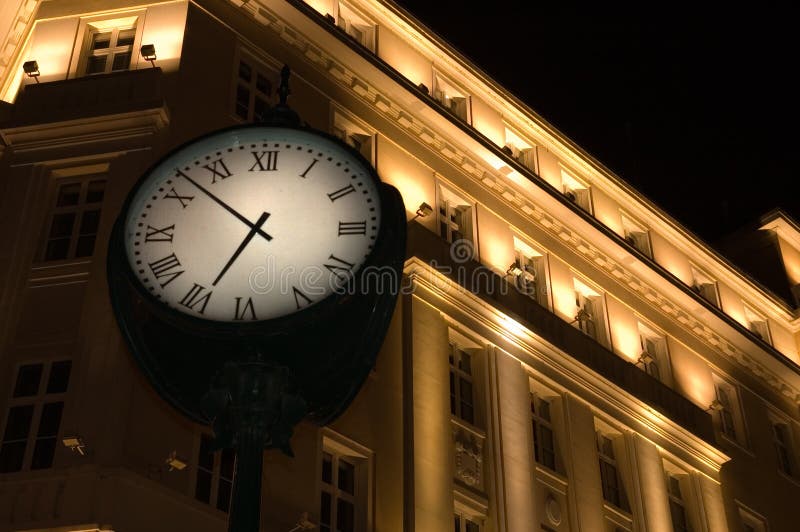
[[653, 357], [357, 26], [704, 286], [455, 217], [344, 487], [757, 324], [37, 402], [520, 149], [576, 191], [253, 90], [108, 46], [677, 506], [462, 400], [465, 523], [781, 438], [751, 521], [589, 311], [636, 235], [544, 448], [354, 136], [454, 99], [75, 219], [613, 490], [215, 470], [728, 414], [530, 272]]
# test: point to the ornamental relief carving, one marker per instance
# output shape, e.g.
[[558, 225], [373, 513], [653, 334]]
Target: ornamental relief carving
[[468, 453]]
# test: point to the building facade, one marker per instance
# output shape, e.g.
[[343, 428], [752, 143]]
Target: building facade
[[563, 357]]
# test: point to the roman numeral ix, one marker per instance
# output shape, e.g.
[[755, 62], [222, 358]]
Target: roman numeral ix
[[352, 228], [217, 169], [271, 164], [195, 297], [155, 234], [166, 268]]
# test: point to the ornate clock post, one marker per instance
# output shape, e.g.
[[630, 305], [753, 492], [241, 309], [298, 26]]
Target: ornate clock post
[[253, 273]]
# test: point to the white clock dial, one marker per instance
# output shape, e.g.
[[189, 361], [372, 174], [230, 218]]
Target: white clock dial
[[252, 223]]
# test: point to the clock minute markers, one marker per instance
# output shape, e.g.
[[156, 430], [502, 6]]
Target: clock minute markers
[[223, 205]]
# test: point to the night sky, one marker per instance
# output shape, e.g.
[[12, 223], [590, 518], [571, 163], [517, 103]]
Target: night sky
[[696, 109]]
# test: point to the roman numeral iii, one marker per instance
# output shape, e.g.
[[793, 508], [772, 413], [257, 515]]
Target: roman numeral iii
[[352, 228]]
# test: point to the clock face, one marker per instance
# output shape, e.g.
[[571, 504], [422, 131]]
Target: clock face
[[252, 223]]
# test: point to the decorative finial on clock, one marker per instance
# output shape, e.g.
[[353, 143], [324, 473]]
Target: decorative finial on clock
[[282, 114]]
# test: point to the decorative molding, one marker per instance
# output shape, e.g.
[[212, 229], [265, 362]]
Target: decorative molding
[[468, 452], [480, 172]]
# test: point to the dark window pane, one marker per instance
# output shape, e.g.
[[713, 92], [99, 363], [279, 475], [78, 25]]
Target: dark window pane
[[466, 390], [95, 192], [96, 64], [62, 225], [261, 107], [11, 456], [327, 468], [245, 71], [465, 363], [227, 462], [59, 376], [85, 246], [224, 489], [90, 220], [263, 85], [202, 490], [43, 453], [205, 459], [101, 41], [68, 194], [325, 508], [242, 102], [122, 61], [472, 527], [51, 419], [57, 249], [467, 413], [18, 425], [347, 477], [28, 378], [544, 407], [456, 524], [345, 516], [126, 37]]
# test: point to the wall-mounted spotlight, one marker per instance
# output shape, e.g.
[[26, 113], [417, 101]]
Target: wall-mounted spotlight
[[174, 462], [645, 358], [75, 444], [715, 406], [423, 88], [422, 211], [304, 523], [31, 68], [148, 51], [514, 269]]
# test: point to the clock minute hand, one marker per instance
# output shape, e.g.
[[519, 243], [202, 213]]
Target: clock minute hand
[[256, 228], [225, 206]]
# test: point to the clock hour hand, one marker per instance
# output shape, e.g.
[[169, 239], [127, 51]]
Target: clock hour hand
[[225, 206], [253, 230]]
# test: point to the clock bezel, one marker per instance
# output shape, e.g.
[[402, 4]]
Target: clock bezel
[[118, 257]]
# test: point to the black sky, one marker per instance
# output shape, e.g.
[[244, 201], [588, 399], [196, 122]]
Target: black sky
[[695, 107]]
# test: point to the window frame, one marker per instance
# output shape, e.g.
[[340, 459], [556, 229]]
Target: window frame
[[259, 67], [442, 84], [702, 283], [786, 460], [757, 324], [87, 26], [362, 459], [38, 401], [636, 234], [534, 263], [729, 420], [450, 200], [585, 292], [345, 22], [660, 355], [345, 126], [84, 179], [538, 422], [621, 502], [572, 187], [520, 148], [217, 479]]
